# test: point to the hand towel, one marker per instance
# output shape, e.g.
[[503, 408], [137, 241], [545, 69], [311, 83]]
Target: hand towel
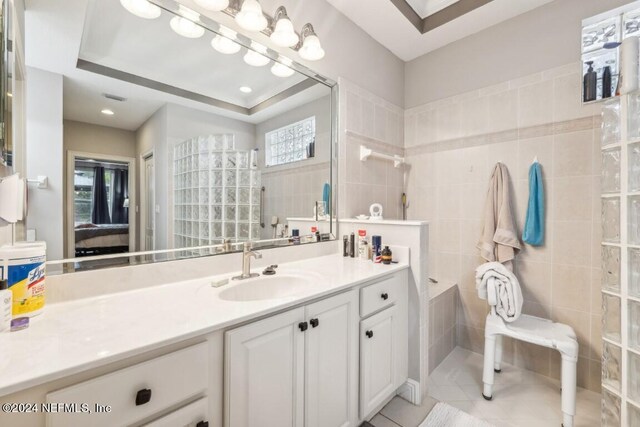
[[500, 287], [326, 197], [499, 238], [533, 233]]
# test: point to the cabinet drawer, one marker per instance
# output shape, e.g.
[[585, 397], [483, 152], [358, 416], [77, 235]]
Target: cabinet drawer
[[195, 414], [378, 295], [172, 378]]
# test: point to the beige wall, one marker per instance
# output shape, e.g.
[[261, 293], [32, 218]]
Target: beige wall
[[90, 138], [452, 146], [541, 39]]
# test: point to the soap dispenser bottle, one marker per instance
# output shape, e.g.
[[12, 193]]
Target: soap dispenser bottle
[[6, 299], [590, 83], [606, 82]]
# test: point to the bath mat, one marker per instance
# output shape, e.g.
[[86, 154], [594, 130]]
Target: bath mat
[[443, 415]]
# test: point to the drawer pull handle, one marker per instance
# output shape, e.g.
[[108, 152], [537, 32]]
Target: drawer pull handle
[[314, 322], [303, 326], [369, 334], [143, 396], [384, 296], [203, 424]]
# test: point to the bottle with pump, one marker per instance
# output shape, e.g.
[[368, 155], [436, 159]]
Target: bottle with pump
[[606, 82], [590, 83]]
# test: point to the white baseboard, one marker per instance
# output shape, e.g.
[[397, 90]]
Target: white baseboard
[[410, 391]]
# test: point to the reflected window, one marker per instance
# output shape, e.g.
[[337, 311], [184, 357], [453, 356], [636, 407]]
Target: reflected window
[[291, 143]]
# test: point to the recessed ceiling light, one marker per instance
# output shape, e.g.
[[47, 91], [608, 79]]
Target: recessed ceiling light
[[142, 8], [107, 112], [245, 89]]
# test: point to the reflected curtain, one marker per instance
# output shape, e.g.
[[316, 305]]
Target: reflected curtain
[[120, 213], [100, 202]]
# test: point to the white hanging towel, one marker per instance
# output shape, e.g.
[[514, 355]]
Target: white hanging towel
[[499, 238], [500, 287]]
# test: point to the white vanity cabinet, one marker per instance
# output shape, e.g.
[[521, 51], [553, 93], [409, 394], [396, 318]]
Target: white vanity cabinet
[[139, 392], [295, 369], [383, 341]]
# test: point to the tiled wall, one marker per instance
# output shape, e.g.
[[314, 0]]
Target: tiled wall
[[366, 119], [442, 326], [292, 192], [452, 146]]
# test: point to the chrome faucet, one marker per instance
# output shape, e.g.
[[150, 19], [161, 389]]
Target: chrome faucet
[[247, 254]]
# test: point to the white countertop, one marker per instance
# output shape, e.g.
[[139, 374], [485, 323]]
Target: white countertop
[[71, 337]]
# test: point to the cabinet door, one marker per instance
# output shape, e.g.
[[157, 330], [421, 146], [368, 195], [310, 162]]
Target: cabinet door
[[331, 349], [377, 359], [264, 373]]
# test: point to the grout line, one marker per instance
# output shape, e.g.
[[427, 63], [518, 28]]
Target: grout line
[[384, 416]]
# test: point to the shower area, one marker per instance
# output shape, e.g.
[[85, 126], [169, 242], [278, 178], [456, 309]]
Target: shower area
[[621, 261], [217, 192]]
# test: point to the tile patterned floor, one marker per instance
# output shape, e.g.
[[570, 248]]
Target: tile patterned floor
[[521, 398]]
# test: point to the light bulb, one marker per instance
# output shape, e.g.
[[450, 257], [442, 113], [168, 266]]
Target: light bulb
[[256, 57], [215, 5], [142, 8], [283, 33], [282, 70], [224, 42], [250, 16], [186, 28], [311, 49]]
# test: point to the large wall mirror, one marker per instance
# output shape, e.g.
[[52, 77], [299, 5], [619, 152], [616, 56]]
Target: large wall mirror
[[178, 144]]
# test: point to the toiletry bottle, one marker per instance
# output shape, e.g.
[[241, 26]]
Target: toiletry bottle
[[590, 83], [295, 233], [362, 242], [345, 246], [6, 303], [376, 249], [606, 82], [352, 245], [386, 255], [363, 250]]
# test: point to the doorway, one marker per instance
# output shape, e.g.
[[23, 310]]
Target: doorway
[[148, 214], [100, 189]]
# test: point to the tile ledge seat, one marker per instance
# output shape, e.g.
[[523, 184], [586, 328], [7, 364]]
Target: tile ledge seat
[[437, 289]]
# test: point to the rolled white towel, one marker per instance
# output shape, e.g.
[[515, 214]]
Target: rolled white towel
[[500, 287]]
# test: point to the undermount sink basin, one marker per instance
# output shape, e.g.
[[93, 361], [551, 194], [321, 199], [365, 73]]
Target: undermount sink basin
[[280, 285]]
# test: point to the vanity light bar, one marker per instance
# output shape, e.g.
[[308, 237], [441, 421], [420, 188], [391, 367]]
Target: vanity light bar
[[280, 30]]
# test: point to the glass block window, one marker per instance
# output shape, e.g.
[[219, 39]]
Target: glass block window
[[291, 143]]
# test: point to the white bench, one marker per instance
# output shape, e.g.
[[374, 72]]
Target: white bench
[[539, 331]]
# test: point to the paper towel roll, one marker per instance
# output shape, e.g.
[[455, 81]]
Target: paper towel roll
[[629, 65]]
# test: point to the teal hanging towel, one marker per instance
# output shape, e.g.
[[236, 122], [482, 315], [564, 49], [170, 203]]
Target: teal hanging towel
[[326, 197], [533, 233]]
